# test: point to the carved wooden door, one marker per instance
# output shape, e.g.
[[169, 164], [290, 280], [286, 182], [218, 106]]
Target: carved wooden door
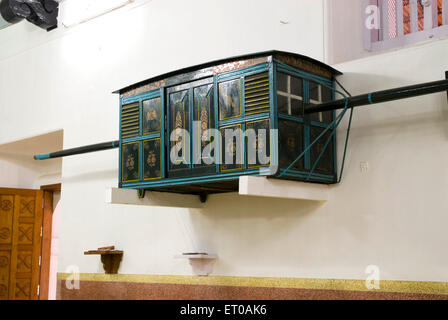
[[20, 243]]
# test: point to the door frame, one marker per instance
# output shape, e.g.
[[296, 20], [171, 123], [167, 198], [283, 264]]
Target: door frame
[[47, 228]]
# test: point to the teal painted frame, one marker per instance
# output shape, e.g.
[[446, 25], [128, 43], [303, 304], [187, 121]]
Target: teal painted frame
[[307, 77], [158, 93], [271, 67]]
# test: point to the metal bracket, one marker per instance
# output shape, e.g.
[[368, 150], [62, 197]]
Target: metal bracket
[[141, 193], [203, 197]]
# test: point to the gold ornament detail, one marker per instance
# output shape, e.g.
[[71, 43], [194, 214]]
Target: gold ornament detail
[[151, 114], [291, 143], [231, 147], [130, 162], [151, 160], [178, 129], [204, 124]]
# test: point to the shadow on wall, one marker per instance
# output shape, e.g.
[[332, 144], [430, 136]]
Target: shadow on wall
[[232, 205], [245, 218]]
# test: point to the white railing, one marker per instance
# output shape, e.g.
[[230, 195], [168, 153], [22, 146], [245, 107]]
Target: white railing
[[403, 22]]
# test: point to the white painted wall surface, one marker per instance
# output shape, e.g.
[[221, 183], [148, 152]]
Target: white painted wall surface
[[18, 169], [392, 216]]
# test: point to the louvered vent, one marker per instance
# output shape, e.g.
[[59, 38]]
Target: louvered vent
[[256, 93], [130, 120]]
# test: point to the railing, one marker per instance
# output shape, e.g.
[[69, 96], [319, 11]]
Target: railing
[[402, 22]]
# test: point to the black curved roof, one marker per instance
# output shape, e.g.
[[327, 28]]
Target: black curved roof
[[226, 60]]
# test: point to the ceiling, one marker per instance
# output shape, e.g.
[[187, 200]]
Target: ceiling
[[45, 143]]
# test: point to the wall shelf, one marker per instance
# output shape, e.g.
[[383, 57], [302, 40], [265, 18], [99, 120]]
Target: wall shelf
[[202, 263], [275, 188], [109, 257], [247, 186], [152, 198]]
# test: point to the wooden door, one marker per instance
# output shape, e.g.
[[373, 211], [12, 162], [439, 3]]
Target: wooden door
[[189, 103], [20, 243]]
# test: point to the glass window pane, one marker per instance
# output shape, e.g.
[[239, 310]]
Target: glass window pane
[[314, 116], [327, 116], [231, 147], [257, 143], [326, 162], [282, 81], [296, 86], [326, 94], [291, 144], [229, 99], [314, 91], [282, 104], [296, 107], [179, 121], [130, 162], [203, 111], [152, 165], [151, 116]]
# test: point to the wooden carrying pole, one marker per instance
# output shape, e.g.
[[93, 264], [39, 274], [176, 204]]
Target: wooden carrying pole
[[351, 102], [78, 150], [381, 96]]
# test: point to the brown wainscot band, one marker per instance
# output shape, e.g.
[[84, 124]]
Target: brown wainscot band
[[157, 287]]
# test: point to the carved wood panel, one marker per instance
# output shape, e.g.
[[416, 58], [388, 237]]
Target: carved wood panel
[[6, 213], [5, 261], [20, 224], [26, 207]]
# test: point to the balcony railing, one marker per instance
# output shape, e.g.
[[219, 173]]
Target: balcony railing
[[403, 22]]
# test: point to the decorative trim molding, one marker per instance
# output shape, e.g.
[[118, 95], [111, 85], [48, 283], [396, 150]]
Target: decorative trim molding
[[417, 287]]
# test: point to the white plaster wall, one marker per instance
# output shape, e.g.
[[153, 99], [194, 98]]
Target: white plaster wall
[[68, 75], [16, 172], [21, 172], [392, 216], [344, 31], [18, 169], [64, 79]]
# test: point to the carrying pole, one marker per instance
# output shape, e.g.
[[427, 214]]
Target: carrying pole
[[78, 150], [355, 101], [381, 96]]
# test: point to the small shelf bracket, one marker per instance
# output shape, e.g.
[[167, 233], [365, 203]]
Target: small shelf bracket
[[111, 259]]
